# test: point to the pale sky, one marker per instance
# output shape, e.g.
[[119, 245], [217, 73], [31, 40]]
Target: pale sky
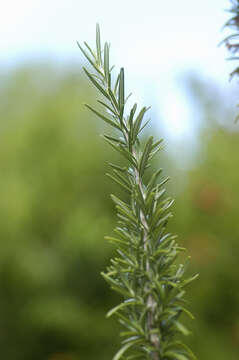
[[154, 40]]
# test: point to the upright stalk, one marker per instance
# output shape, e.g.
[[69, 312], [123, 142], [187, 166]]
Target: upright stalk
[[150, 302], [144, 271]]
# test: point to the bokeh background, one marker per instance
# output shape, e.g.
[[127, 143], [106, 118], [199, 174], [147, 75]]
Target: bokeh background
[[54, 197]]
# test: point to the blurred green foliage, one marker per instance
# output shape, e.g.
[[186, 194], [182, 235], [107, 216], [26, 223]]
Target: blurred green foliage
[[206, 217], [55, 210]]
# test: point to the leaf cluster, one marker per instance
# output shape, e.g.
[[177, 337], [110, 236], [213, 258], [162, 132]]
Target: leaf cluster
[[144, 271]]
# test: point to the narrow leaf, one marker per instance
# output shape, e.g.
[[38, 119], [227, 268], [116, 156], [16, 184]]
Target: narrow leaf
[[113, 100], [138, 122], [107, 107], [121, 92], [153, 179], [98, 44], [131, 116], [145, 155], [116, 84], [116, 167], [181, 328], [89, 59], [99, 87], [112, 123], [174, 355], [121, 306], [124, 349], [90, 50], [106, 63], [116, 140], [117, 181]]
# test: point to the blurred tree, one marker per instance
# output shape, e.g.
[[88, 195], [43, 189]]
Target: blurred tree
[[207, 217], [54, 212], [53, 188]]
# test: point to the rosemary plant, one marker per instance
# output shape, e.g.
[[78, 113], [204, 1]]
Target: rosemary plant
[[144, 271], [232, 41]]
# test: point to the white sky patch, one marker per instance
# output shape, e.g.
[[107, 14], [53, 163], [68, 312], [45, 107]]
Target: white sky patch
[[153, 40], [177, 115]]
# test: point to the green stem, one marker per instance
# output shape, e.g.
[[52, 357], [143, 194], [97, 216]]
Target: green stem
[[151, 303]]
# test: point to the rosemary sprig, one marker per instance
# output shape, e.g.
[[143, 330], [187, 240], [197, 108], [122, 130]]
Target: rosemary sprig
[[232, 41], [144, 272]]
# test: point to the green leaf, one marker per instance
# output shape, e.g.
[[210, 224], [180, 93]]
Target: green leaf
[[116, 84], [136, 356], [99, 87], [123, 234], [161, 289], [116, 140], [106, 63], [160, 252], [163, 182], [98, 44], [119, 182], [113, 100], [129, 156], [126, 212], [130, 302], [89, 59], [132, 113], [116, 167], [142, 127], [152, 181], [128, 258], [112, 123], [161, 221], [122, 178], [123, 152], [187, 312], [129, 323], [179, 344], [121, 92], [129, 333], [189, 280], [174, 355], [160, 210], [119, 202], [181, 328], [140, 198], [229, 38], [157, 143], [90, 50], [114, 240], [137, 123], [127, 97], [125, 348], [111, 143], [107, 107], [115, 285], [153, 203], [236, 119], [154, 152], [145, 156]]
